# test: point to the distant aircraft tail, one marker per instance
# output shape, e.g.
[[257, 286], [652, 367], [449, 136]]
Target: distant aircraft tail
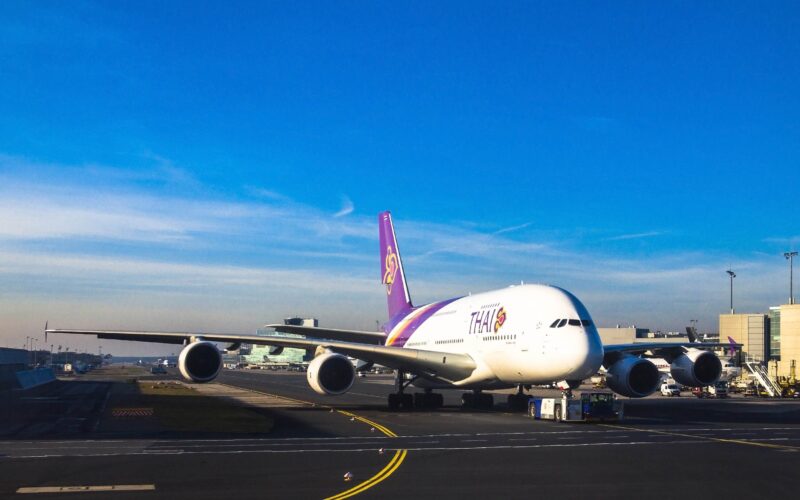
[[691, 332], [733, 347], [392, 274]]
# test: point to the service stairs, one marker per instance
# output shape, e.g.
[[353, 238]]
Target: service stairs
[[762, 377]]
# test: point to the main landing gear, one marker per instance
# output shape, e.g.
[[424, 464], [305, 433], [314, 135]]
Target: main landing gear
[[518, 401], [420, 400], [477, 400]]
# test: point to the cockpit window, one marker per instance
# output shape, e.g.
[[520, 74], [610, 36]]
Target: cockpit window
[[586, 322], [562, 323], [575, 322], [553, 325]]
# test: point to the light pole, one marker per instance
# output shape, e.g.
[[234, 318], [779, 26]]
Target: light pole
[[790, 257], [732, 275]]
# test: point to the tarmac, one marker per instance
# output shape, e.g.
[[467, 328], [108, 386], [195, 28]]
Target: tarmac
[[73, 439]]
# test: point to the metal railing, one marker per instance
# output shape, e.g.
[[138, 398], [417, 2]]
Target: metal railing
[[763, 379]]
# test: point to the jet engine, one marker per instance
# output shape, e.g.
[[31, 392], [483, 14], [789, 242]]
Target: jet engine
[[633, 377], [696, 368], [200, 361], [331, 374]]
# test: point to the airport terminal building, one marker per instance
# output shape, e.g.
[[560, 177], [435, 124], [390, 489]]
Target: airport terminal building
[[772, 338]]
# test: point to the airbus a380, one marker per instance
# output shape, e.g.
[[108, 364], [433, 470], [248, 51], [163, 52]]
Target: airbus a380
[[514, 337]]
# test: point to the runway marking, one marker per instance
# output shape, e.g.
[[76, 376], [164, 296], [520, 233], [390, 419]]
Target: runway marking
[[387, 471], [709, 438], [87, 489]]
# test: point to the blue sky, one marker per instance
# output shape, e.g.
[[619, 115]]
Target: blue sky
[[220, 165]]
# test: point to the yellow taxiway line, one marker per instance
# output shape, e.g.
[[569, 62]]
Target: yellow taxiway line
[[707, 438], [387, 471], [391, 467]]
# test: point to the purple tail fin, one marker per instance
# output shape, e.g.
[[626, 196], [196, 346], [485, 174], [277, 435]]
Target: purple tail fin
[[733, 346], [392, 274]]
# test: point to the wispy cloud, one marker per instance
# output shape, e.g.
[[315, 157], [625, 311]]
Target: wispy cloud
[[266, 193], [792, 241], [634, 236], [511, 229], [347, 207]]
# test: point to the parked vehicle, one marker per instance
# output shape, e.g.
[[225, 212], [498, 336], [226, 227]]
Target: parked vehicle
[[719, 390], [670, 390]]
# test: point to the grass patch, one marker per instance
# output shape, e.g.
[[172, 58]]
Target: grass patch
[[180, 408]]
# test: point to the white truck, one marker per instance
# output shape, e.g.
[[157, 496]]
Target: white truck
[[589, 406], [719, 390]]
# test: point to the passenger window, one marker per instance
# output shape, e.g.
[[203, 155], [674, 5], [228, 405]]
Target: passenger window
[[562, 323], [553, 325], [575, 322], [586, 322]]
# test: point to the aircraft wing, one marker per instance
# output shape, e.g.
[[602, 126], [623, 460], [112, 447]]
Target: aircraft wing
[[331, 333], [666, 350], [449, 367]]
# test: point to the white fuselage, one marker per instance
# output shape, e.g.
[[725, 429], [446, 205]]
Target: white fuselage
[[512, 334]]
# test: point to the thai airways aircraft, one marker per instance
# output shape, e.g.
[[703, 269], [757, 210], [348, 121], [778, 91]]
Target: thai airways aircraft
[[509, 338]]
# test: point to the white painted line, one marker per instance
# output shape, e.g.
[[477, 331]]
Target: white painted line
[[372, 449], [87, 489]]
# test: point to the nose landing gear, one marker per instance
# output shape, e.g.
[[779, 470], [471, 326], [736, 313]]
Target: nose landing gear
[[518, 401]]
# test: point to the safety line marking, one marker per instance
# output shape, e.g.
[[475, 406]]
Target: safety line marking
[[394, 463], [87, 489], [387, 471], [708, 438], [368, 422]]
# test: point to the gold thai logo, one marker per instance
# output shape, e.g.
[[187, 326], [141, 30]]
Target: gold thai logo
[[499, 319], [391, 266]]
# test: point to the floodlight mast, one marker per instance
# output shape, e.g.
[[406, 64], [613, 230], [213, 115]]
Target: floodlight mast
[[732, 275], [790, 257]]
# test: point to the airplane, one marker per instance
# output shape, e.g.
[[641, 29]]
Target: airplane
[[509, 338]]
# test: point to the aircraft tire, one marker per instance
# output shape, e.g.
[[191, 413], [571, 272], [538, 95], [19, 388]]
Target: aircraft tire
[[485, 401], [407, 401], [394, 401]]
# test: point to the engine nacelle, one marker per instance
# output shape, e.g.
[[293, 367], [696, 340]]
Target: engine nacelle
[[696, 368], [331, 374], [200, 362], [633, 377]]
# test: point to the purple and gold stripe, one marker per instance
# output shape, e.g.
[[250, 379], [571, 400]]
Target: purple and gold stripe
[[406, 327]]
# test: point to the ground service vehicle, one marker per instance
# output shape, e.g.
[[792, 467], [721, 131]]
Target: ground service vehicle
[[719, 390], [670, 390], [589, 406]]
